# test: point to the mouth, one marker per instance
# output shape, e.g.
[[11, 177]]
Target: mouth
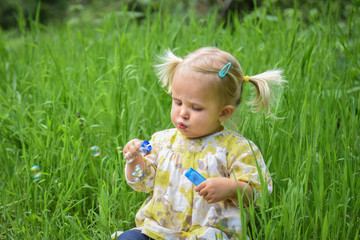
[[181, 125]]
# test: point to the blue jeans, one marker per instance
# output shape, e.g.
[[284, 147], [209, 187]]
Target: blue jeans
[[133, 234]]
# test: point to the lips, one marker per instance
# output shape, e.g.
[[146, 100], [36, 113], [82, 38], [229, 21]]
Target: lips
[[181, 125]]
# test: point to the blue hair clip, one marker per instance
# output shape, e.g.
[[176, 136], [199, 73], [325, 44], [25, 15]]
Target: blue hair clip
[[224, 70]]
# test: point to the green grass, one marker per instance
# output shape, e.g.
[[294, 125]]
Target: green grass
[[65, 88]]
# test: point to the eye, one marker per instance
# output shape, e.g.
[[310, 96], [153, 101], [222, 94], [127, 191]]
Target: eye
[[177, 102], [196, 108]]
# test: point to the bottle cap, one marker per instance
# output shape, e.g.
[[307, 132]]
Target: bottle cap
[[145, 144]]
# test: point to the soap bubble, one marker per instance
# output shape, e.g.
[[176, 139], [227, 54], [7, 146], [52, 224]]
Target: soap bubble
[[35, 171], [138, 168], [138, 173], [95, 151], [129, 157]]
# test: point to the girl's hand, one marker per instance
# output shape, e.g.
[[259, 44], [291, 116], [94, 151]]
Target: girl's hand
[[131, 148], [130, 151], [218, 189]]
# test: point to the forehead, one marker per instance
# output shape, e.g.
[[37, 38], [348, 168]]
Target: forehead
[[194, 85]]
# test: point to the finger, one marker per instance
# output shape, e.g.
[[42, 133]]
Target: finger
[[200, 186], [209, 198], [128, 155], [136, 144], [127, 146], [132, 146], [204, 192]]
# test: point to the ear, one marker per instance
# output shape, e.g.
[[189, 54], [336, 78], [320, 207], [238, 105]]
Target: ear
[[226, 112]]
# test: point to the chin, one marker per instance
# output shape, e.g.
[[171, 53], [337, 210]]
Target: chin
[[191, 136], [186, 134]]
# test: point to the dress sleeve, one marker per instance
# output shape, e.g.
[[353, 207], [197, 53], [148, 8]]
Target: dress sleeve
[[146, 182], [247, 164]]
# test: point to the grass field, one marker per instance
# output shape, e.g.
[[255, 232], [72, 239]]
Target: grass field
[[65, 88]]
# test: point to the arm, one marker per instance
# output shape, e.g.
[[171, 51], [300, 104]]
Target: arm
[[218, 189]]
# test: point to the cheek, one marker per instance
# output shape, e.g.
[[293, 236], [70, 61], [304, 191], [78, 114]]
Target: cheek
[[204, 119], [173, 113]]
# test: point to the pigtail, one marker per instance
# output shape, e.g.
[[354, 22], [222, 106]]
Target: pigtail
[[263, 84], [166, 69]]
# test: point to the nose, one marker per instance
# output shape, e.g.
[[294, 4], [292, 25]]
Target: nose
[[184, 113]]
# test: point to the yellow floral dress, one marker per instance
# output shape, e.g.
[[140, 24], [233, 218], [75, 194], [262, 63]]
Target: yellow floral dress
[[173, 210]]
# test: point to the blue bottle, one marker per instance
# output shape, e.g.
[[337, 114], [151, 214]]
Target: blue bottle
[[195, 177]]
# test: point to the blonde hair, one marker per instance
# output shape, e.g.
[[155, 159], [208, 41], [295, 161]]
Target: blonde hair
[[209, 61]]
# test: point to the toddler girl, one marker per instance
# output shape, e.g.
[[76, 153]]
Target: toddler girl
[[206, 88]]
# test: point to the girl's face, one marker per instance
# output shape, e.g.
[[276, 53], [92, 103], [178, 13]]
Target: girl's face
[[196, 106]]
